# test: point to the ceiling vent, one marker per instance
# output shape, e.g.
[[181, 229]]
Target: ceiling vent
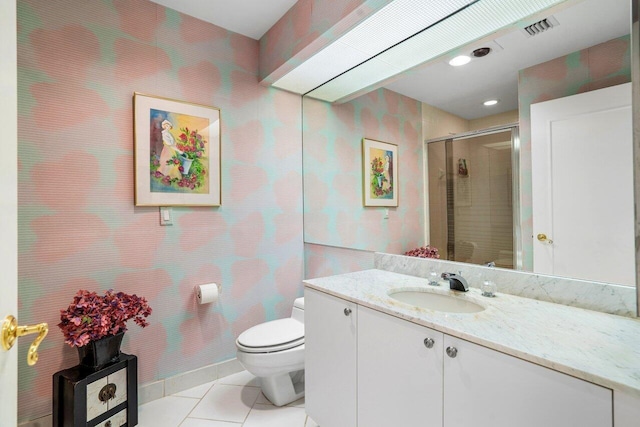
[[540, 26]]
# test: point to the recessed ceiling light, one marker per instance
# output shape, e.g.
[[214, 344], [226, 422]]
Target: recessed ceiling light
[[459, 60], [490, 102]]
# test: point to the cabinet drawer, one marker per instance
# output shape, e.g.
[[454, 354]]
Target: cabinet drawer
[[116, 420]]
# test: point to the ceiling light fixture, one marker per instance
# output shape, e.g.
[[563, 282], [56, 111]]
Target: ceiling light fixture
[[460, 60], [490, 102]]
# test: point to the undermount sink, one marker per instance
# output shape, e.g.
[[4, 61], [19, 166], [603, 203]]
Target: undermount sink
[[434, 301]]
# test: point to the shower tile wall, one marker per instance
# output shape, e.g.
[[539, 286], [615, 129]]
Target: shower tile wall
[[482, 200]]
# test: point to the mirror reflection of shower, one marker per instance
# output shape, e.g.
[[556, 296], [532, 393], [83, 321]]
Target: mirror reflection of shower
[[471, 207]]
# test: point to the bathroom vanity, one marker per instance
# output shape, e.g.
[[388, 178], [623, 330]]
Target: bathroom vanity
[[372, 360]]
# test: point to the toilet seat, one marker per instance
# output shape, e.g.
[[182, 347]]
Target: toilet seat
[[268, 337]]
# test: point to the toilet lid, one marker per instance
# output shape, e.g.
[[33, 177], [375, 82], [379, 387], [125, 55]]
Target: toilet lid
[[276, 335]]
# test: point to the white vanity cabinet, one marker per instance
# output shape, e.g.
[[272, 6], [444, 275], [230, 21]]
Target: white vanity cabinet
[[391, 372], [399, 372], [483, 387], [330, 359]]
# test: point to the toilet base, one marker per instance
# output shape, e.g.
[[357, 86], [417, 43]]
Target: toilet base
[[285, 388]]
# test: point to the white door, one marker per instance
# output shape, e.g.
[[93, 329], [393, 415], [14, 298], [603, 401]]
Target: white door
[[582, 185], [8, 206]]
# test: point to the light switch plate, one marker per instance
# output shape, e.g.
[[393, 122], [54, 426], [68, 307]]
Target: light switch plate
[[166, 216]]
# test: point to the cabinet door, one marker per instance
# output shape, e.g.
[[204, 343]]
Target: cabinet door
[[330, 359], [399, 376], [485, 388], [95, 406]]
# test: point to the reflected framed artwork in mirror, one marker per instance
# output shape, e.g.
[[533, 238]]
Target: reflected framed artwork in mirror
[[177, 153], [379, 173]]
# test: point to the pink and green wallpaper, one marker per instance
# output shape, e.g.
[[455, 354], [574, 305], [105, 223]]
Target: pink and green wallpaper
[[79, 63], [603, 65], [334, 214], [322, 261]]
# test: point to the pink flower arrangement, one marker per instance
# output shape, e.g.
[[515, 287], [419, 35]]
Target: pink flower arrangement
[[91, 316], [424, 252], [191, 143]]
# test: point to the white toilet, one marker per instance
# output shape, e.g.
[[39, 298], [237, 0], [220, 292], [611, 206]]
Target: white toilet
[[274, 352]]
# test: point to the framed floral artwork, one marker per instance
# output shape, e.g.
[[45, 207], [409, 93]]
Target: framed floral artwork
[[379, 173], [177, 152]]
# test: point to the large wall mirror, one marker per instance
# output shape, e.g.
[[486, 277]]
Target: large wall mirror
[[579, 47]]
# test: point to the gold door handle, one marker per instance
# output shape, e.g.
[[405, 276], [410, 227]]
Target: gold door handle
[[11, 331], [544, 239]]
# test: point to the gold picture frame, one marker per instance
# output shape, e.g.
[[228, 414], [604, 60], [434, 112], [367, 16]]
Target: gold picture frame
[[177, 152], [379, 173]]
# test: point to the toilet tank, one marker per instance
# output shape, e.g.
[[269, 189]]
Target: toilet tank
[[297, 312]]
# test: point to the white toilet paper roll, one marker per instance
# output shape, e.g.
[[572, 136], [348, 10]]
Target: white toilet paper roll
[[206, 294]]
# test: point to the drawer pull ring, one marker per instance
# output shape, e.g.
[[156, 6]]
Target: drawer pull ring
[[107, 392]]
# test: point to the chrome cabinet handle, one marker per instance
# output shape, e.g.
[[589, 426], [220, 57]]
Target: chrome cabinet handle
[[347, 311], [428, 342], [452, 352]]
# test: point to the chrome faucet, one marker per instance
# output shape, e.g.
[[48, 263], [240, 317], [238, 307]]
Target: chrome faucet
[[456, 282]]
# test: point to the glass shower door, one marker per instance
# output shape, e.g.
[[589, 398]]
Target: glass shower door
[[471, 208]]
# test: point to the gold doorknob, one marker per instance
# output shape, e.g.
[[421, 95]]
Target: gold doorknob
[[11, 331], [544, 239]]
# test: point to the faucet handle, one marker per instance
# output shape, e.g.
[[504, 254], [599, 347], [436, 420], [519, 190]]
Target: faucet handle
[[488, 288]]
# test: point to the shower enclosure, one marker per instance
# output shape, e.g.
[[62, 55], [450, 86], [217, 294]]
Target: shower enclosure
[[472, 182]]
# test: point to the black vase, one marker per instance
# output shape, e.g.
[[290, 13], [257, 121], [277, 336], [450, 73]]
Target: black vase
[[99, 353]]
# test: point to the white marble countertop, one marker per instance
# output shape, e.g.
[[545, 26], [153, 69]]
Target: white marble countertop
[[597, 347]]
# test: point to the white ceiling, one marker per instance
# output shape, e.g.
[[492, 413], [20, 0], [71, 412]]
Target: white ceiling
[[249, 17], [462, 90]]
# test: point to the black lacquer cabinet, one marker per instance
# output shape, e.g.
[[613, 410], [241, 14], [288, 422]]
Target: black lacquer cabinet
[[108, 397]]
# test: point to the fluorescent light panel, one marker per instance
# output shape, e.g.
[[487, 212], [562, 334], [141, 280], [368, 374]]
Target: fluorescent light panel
[[375, 34], [476, 21], [309, 74]]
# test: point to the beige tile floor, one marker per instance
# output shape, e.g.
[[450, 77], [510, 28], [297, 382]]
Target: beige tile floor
[[233, 401]]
